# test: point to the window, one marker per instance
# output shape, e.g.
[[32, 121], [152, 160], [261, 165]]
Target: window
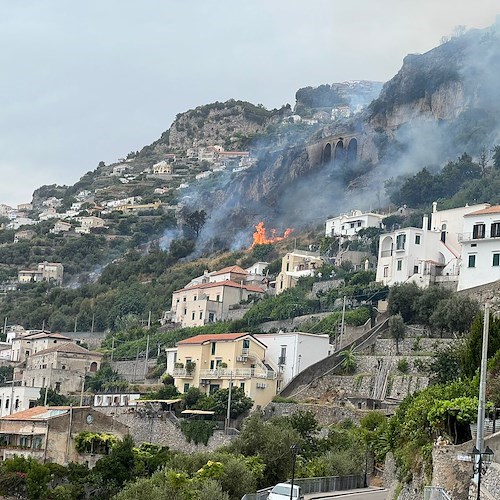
[[6, 403], [386, 271], [192, 315], [246, 344], [195, 298], [217, 298], [472, 261], [352, 225], [186, 387], [342, 227], [242, 385], [399, 265], [185, 312], [288, 266], [211, 317], [58, 386], [400, 241], [183, 299], [417, 239], [478, 231], [495, 230], [496, 259], [212, 351], [201, 314], [359, 223]]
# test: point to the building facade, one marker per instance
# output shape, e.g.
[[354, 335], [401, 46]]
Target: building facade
[[480, 258], [347, 225], [295, 265], [212, 362], [295, 351]]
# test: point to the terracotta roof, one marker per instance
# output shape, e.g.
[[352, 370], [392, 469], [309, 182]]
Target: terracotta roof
[[250, 288], [213, 337], [70, 347], [488, 210], [46, 335], [230, 269], [38, 413]]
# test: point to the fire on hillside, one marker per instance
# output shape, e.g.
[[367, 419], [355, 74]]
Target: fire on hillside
[[260, 236]]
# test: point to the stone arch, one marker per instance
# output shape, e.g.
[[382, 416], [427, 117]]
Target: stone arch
[[352, 150], [327, 153], [93, 366], [339, 153]]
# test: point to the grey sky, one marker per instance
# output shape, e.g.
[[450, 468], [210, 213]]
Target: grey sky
[[92, 80]]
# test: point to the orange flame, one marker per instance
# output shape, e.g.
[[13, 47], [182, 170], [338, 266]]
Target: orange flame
[[260, 236]]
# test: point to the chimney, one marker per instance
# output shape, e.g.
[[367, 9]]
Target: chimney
[[425, 222], [434, 207]]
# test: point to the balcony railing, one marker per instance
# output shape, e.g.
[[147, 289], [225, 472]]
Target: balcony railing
[[386, 253], [182, 373], [241, 373], [475, 237]]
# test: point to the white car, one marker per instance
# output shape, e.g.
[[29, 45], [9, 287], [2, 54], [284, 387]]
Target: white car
[[282, 492]]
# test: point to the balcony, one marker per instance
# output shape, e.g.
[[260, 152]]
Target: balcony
[[386, 253], [237, 373], [464, 237], [182, 373], [282, 360]]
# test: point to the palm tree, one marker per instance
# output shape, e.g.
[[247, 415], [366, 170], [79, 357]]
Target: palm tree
[[350, 362]]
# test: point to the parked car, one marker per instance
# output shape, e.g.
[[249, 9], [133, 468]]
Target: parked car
[[282, 492]]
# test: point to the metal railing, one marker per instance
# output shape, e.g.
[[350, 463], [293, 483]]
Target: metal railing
[[477, 236], [182, 373], [319, 485], [225, 373], [435, 493]]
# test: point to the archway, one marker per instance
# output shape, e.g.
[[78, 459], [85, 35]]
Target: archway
[[386, 247], [352, 150], [327, 154], [93, 366], [339, 152]]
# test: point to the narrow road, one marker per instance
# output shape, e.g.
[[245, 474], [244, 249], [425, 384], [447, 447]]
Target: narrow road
[[362, 494]]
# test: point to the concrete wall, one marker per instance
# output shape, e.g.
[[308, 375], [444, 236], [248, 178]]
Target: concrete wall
[[132, 371]]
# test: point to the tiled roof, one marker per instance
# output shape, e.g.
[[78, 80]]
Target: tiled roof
[[46, 335], [38, 413], [250, 288], [69, 347], [230, 269], [212, 337], [488, 210]]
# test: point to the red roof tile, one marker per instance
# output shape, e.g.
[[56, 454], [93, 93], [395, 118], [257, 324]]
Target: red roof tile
[[250, 288], [38, 413], [488, 210], [213, 337], [230, 269]]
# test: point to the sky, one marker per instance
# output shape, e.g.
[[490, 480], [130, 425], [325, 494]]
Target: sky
[[82, 82]]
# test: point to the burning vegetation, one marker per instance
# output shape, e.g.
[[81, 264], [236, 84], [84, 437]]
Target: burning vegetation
[[260, 236]]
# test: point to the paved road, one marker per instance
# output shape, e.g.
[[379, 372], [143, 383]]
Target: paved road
[[368, 494]]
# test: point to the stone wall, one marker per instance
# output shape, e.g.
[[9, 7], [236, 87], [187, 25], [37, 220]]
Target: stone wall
[[449, 472], [161, 431], [490, 482], [325, 414], [411, 346], [133, 371], [485, 293]]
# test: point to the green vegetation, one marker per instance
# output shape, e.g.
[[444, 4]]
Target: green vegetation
[[198, 431]]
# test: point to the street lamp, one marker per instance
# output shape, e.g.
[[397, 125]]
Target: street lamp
[[481, 461], [295, 448]]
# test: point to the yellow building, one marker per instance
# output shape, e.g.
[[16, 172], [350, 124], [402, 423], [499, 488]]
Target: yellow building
[[212, 362], [295, 265]]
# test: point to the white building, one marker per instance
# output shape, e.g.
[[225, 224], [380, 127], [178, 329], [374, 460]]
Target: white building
[[293, 352], [480, 248], [14, 398], [118, 399], [423, 255], [348, 225]]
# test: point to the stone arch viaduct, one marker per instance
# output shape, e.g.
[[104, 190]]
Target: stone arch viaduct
[[337, 148]]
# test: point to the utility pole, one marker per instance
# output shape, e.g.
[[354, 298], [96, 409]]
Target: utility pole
[[342, 323], [135, 364], [482, 392], [76, 321], [92, 326], [5, 327], [83, 386], [147, 357], [112, 347], [228, 414], [149, 320], [47, 387]]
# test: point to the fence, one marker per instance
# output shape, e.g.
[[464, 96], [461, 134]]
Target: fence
[[435, 493], [320, 485]]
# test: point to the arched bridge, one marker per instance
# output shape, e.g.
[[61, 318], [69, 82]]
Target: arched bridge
[[338, 148]]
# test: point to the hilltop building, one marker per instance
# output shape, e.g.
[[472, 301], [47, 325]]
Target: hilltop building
[[426, 255], [348, 225], [48, 434], [212, 362], [46, 271], [295, 265]]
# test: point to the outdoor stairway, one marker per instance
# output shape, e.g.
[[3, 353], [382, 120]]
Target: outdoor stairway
[[381, 378]]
